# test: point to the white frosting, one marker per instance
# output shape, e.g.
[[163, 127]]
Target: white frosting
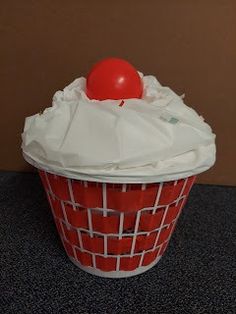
[[156, 138]]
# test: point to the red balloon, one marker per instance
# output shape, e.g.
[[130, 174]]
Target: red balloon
[[113, 78]]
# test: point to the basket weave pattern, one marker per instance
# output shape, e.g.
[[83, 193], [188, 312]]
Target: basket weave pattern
[[115, 227]]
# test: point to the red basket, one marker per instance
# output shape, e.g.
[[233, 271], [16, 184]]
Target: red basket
[[115, 230]]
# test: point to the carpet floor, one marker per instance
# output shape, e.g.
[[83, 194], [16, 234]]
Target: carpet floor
[[196, 275]]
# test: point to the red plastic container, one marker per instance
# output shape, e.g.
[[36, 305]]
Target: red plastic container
[[115, 230]]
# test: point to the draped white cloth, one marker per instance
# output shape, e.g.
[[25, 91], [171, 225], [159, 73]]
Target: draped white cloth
[[156, 138]]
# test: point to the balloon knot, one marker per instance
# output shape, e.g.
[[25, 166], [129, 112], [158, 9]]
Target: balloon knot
[[121, 103]]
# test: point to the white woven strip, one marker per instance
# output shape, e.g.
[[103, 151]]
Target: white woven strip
[[124, 187], [104, 196], [90, 225], [105, 244], [105, 236], [73, 203], [80, 239], [179, 213], [93, 259], [135, 233], [181, 206], [64, 212], [181, 192], [90, 222], [162, 225], [118, 263], [60, 221], [104, 213], [160, 245], [63, 231], [74, 250], [71, 194], [158, 196], [184, 186], [121, 225], [141, 259], [180, 210]]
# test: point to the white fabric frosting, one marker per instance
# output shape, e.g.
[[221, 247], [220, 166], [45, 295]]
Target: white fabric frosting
[[156, 138]]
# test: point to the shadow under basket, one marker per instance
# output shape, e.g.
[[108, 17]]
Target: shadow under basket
[[115, 230]]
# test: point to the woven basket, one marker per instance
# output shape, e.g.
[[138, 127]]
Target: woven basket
[[115, 230]]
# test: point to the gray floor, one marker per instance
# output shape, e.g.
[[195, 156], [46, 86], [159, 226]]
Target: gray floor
[[196, 275]]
